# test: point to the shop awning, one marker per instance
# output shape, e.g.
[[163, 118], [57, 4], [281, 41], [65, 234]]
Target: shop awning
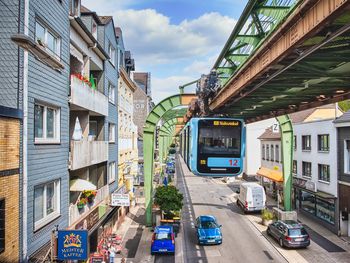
[[273, 175]]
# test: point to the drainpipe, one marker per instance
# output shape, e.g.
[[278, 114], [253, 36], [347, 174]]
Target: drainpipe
[[25, 137]]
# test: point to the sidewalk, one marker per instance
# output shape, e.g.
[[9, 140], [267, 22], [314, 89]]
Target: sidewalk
[[135, 237]]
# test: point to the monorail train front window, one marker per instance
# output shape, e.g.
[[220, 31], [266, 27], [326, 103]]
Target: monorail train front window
[[222, 140]]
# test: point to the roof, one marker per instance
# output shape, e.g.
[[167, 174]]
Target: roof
[[105, 19], [344, 118], [84, 9], [268, 134]]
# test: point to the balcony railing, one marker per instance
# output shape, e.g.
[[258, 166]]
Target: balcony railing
[[84, 96], [85, 153], [75, 213]]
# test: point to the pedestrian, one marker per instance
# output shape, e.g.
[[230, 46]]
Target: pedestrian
[[111, 251]]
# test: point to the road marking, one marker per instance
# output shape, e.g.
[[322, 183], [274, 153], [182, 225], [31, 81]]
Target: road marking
[[198, 253]]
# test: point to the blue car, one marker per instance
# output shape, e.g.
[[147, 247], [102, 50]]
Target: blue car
[[163, 240], [208, 230]]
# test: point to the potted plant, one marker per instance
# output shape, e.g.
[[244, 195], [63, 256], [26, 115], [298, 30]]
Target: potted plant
[[89, 195], [267, 217], [82, 202]]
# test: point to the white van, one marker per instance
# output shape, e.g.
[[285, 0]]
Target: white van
[[251, 197]]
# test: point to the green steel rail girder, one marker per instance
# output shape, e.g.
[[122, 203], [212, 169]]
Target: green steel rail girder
[[286, 129], [166, 110], [258, 20]]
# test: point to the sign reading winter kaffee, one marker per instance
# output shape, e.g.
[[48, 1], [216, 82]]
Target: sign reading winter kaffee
[[72, 245], [120, 199]]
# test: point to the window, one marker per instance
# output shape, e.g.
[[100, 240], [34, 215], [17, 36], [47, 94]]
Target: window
[[323, 172], [263, 151], [111, 93], [46, 124], [308, 202], [111, 53], [277, 153], [94, 29], [93, 130], [323, 142], [306, 169], [347, 156], [325, 210], [267, 152], [111, 172], [46, 203], [2, 225], [272, 153], [306, 141], [47, 39], [295, 167], [121, 58], [111, 129], [75, 8], [295, 142]]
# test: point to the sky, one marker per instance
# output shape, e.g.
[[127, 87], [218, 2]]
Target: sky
[[176, 40]]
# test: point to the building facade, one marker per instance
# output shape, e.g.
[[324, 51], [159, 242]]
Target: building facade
[[11, 117], [342, 125]]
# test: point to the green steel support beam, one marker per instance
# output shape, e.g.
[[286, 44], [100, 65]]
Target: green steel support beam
[[286, 129]]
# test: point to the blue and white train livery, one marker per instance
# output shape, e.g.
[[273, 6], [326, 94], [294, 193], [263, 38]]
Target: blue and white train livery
[[213, 146]]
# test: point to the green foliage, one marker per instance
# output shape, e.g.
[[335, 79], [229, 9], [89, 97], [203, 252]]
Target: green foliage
[[168, 198], [267, 214], [344, 105]]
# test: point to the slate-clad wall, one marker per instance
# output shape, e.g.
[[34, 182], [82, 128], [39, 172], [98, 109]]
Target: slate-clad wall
[[48, 162], [111, 75]]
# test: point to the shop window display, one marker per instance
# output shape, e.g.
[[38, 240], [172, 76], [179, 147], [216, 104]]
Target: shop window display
[[325, 210], [308, 202]]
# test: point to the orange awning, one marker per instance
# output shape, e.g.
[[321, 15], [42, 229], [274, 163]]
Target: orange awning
[[273, 175]]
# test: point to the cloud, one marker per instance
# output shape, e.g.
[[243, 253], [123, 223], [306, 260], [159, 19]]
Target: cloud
[[165, 87], [154, 40]]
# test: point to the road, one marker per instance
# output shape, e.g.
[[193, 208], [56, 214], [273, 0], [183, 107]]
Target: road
[[241, 241]]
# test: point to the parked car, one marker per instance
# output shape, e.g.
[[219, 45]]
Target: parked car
[[208, 230], [163, 240], [289, 233], [251, 197]]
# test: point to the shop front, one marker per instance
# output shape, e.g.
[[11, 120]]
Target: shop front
[[344, 208], [272, 181], [319, 206]]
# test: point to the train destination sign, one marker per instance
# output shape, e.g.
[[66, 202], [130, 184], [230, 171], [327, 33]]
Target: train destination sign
[[226, 123]]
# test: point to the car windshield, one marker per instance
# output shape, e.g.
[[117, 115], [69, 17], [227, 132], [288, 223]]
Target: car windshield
[[295, 232], [163, 236], [208, 224]]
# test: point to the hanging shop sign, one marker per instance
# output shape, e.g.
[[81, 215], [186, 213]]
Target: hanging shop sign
[[72, 245], [90, 220], [120, 199], [306, 184]]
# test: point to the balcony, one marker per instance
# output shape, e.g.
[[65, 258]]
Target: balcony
[[83, 96], [75, 213], [85, 153]]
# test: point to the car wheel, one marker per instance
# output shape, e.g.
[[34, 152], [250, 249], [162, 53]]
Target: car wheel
[[281, 242], [268, 232]]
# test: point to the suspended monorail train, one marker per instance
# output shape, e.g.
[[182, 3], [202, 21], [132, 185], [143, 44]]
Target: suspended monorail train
[[213, 146]]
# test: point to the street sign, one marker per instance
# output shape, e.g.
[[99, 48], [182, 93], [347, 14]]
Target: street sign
[[275, 128], [72, 245], [120, 199]]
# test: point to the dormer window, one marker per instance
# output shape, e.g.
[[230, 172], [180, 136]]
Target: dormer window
[[75, 7], [94, 29], [111, 53]]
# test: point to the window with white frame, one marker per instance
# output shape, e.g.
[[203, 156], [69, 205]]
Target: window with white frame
[[347, 156], [306, 142], [306, 169], [323, 142], [111, 134], [48, 39], [46, 203], [94, 29], [75, 7], [323, 172], [111, 93], [111, 172], [263, 151], [277, 153], [272, 153], [268, 152], [295, 167], [111, 53], [46, 124]]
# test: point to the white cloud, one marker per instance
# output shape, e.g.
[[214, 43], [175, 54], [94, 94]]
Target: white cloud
[[165, 87], [153, 39], [202, 66]]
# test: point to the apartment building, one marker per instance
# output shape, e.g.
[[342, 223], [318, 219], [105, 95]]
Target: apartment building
[[11, 118], [342, 125]]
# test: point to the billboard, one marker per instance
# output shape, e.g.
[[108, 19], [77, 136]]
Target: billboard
[[72, 245]]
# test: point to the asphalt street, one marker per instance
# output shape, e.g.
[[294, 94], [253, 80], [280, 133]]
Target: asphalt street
[[241, 241]]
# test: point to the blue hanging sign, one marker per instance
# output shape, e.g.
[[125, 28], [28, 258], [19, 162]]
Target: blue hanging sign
[[72, 245]]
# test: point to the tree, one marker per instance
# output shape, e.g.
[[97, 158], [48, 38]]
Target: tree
[[344, 105], [168, 198]]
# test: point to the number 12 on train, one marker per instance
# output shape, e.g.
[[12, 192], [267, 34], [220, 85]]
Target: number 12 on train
[[213, 146]]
